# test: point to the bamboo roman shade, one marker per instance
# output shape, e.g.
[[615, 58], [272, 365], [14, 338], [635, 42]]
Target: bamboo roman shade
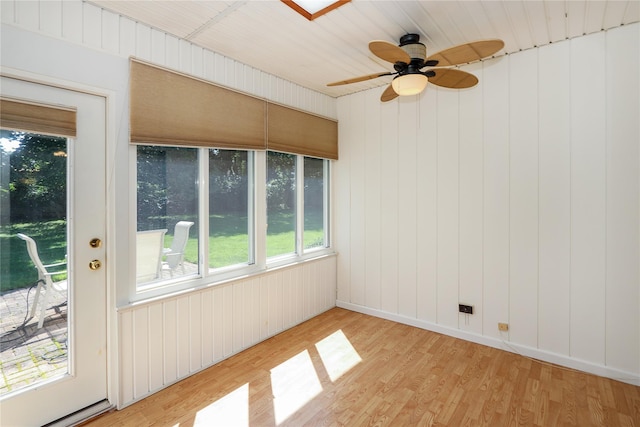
[[294, 131], [38, 118], [170, 108]]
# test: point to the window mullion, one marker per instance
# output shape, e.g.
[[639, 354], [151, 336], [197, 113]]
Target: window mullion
[[203, 209], [300, 205], [260, 209]]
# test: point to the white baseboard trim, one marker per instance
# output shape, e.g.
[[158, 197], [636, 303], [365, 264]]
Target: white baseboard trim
[[534, 353]]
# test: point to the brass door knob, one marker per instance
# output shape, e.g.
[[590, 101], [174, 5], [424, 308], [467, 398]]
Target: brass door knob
[[95, 264]]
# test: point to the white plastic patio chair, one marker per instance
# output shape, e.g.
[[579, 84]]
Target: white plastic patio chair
[[45, 280], [149, 244], [174, 256]]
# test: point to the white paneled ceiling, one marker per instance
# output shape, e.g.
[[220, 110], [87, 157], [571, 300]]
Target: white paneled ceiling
[[270, 36]]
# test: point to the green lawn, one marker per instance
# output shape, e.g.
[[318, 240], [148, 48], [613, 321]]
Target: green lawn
[[228, 244]]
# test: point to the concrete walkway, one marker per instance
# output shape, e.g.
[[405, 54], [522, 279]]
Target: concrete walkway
[[29, 354]]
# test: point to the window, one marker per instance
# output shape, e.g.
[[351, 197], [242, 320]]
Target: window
[[197, 201], [281, 204], [167, 206], [315, 203], [230, 203]]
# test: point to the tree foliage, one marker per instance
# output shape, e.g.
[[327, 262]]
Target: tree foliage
[[37, 181]]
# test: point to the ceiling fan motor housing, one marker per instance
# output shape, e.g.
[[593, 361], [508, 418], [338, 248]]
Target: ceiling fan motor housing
[[410, 43]]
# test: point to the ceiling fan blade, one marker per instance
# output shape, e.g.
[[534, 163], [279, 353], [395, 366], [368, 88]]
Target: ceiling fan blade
[[360, 79], [452, 78], [388, 94], [389, 52], [467, 52]]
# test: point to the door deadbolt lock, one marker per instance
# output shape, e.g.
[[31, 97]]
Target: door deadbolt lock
[[95, 243], [95, 264]]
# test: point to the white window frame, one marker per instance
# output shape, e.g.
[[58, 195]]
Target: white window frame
[[257, 214]]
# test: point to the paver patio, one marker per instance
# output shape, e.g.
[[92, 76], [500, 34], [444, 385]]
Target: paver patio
[[29, 354]]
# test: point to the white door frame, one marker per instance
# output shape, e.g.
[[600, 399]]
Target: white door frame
[[110, 197]]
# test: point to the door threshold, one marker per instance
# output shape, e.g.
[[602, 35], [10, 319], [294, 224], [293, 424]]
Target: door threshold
[[83, 415]]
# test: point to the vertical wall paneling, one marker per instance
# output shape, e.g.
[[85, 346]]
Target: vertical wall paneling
[[373, 201], [143, 42], [357, 212], [527, 203], [127, 42], [218, 324], [523, 197], [110, 32], [7, 12], [389, 199], [50, 17], [496, 196], [141, 352], [158, 47], [407, 216], [164, 341], [427, 222], [228, 328], [554, 208], [156, 341], [126, 336], [240, 316], [447, 205], [470, 201], [27, 14], [195, 331], [92, 26], [342, 201], [71, 20], [185, 56], [588, 199], [207, 327], [623, 199], [183, 322], [170, 341]]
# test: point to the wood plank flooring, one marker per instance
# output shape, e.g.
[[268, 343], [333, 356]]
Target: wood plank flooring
[[348, 369]]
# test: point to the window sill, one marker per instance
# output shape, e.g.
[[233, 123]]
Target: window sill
[[199, 284]]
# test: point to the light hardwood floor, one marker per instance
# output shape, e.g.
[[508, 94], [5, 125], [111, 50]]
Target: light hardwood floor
[[350, 369]]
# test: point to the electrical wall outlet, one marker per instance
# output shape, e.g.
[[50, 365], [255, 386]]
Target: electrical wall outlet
[[466, 309], [503, 327]]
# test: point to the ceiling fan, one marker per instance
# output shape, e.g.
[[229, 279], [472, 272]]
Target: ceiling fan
[[410, 57]]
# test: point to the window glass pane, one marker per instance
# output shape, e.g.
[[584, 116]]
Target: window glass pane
[[33, 253], [167, 194], [230, 194], [314, 209], [281, 204]]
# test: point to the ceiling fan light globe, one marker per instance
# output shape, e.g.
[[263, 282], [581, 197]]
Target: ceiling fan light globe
[[409, 84]]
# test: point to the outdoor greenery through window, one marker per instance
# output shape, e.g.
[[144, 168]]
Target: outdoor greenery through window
[[185, 194], [315, 201], [167, 198], [230, 196], [33, 201], [281, 204]]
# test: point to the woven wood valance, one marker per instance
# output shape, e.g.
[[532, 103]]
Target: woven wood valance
[[294, 131], [174, 109], [38, 118], [170, 108]]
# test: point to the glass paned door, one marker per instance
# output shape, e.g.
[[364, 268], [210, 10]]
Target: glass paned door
[[33, 259], [52, 238]]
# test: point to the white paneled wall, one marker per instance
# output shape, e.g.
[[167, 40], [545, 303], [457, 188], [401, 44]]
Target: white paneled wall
[[160, 342], [164, 341], [91, 26], [520, 196]]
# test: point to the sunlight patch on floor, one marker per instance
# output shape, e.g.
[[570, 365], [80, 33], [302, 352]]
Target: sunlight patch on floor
[[338, 355], [294, 383], [231, 410]]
